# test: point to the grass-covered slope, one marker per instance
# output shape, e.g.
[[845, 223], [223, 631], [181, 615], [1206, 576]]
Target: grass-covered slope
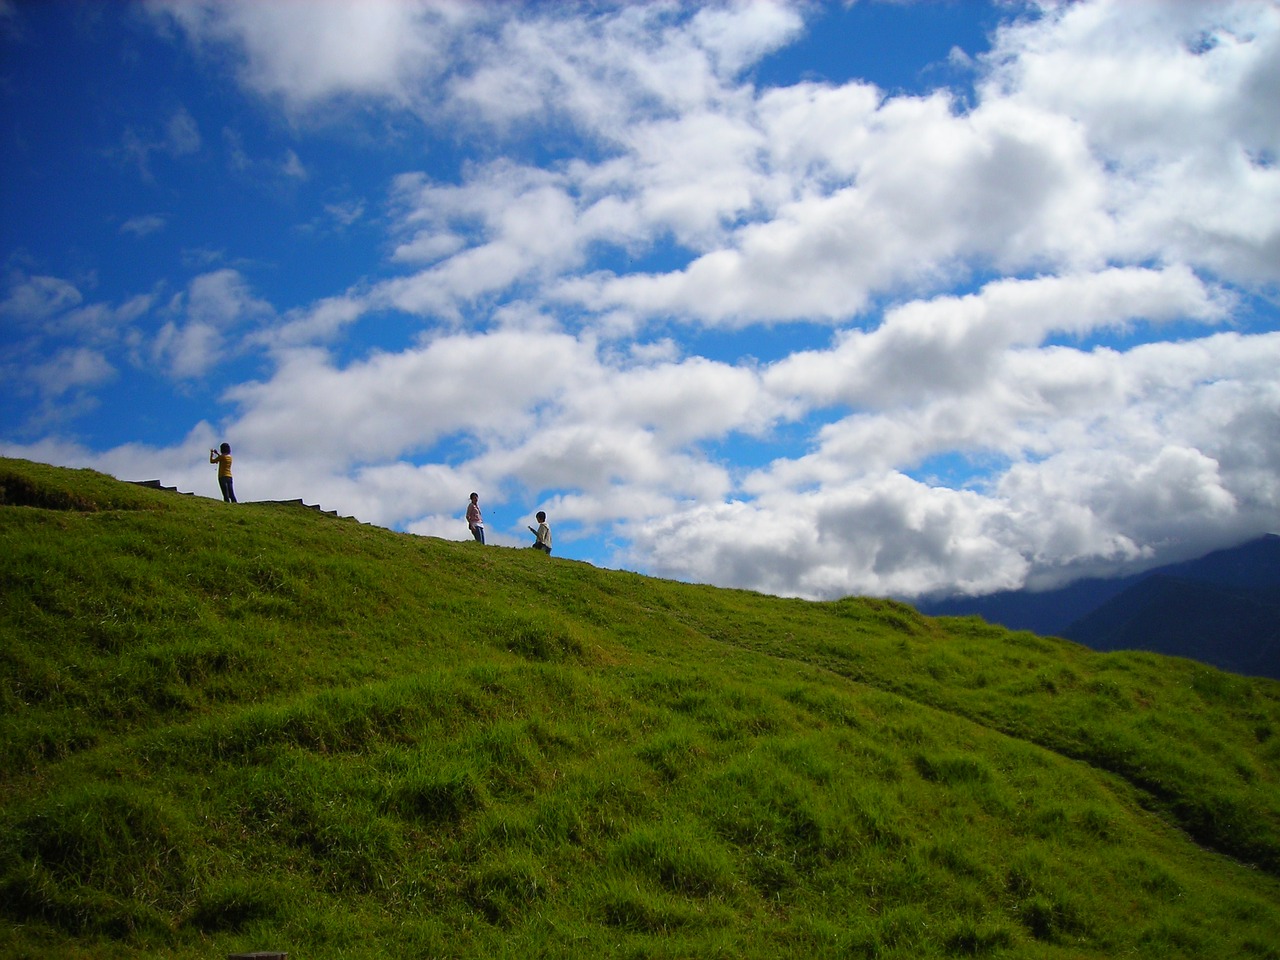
[[232, 728]]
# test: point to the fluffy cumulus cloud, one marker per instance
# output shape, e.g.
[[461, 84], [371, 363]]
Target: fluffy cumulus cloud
[[1026, 340], [333, 49], [213, 306]]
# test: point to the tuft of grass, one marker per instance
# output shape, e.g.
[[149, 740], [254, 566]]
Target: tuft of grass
[[234, 904], [99, 858]]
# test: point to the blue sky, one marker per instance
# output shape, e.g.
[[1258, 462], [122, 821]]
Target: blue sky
[[883, 298]]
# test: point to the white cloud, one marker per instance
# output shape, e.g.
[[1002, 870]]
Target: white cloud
[[213, 305], [39, 297], [306, 55], [694, 175], [890, 535], [60, 348], [696, 399], [179, 138], [320, 322], [737, 37], [293, 167], [70, 369], [1172, 97], [899, 195], [518, 223], [393, 404], [952, 345], [605, 73], [144, 225], [182, 134], [626, 466], [187, 349], [222, 298], [102, 323]]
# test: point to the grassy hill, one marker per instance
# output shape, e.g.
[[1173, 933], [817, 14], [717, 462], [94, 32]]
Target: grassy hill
[[257, 727]]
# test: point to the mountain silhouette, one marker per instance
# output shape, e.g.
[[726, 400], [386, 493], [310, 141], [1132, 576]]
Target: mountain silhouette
[[1222, 609], [1234, 628]]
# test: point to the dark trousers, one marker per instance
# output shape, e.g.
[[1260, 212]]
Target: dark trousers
[[228, 494], [478, 533]]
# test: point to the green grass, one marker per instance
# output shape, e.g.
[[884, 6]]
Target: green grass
[[228, 729]]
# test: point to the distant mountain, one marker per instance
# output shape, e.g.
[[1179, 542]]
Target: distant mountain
[[1233, 628], [1222, 609]]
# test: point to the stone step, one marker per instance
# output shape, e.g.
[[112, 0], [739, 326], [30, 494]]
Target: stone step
[[157, 485]]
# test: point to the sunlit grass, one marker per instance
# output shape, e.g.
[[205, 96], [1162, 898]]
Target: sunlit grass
[[242, 728]]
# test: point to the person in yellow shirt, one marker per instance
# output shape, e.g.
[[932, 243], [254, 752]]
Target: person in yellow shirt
[[223, 460]]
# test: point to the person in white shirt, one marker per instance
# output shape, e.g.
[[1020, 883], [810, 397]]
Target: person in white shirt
[[543, 533]]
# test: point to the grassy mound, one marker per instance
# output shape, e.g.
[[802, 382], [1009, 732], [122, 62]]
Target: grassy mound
[[233, 728]]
